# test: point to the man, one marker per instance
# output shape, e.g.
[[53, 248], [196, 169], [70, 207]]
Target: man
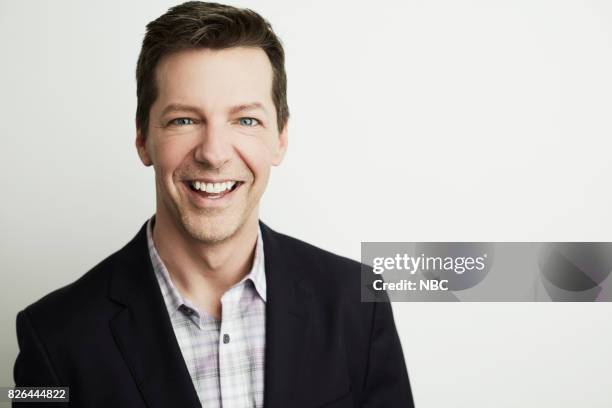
[[207, 306]]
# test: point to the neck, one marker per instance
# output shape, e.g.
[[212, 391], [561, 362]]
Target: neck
[[202, 271]]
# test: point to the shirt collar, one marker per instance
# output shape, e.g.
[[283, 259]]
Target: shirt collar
[[172, 296]]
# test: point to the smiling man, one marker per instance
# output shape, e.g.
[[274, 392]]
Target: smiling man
[[207, 306]]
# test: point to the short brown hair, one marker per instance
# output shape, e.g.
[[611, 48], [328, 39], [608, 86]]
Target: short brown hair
[[197, 24]]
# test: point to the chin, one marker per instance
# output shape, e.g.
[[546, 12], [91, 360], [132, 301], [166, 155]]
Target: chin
[[211, 229]]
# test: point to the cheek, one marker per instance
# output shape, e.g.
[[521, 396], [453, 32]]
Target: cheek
[[170, 154], [256, 154]]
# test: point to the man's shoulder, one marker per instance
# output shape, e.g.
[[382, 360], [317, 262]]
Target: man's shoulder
[[88, 285], [310, 253], [325, 269], [90, 292], [77, 305]]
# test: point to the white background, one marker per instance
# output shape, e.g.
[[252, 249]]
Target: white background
[[410, 121]]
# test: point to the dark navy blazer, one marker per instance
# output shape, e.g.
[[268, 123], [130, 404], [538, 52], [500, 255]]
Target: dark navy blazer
[[109, 338]]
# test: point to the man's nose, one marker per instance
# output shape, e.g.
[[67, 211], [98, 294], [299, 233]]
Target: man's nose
[[214, 147]]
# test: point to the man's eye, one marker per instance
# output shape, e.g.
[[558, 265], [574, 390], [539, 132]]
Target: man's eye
[[248, 121], [181, 121]]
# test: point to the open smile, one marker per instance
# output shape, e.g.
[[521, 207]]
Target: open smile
[[206, 193]]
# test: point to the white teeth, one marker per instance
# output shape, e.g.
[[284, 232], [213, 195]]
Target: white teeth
[[214, 188]]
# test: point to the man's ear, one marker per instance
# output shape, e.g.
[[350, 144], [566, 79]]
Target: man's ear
[[141, 147], [281, 147]]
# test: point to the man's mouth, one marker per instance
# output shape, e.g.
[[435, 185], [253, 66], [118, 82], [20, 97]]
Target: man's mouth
[[213, 190]]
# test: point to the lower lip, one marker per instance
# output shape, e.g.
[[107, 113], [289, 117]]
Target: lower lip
[[201, 200]]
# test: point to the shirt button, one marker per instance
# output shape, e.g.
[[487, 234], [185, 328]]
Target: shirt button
[[226, 338]]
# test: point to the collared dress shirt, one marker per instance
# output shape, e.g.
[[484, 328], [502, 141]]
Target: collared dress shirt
[[225, 358]]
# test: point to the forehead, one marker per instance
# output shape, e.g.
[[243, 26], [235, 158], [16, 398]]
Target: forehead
[[212, 77]]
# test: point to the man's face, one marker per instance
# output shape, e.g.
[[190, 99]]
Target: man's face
[[213, 127]]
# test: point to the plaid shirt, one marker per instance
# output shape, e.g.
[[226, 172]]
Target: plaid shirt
[[225, 358]]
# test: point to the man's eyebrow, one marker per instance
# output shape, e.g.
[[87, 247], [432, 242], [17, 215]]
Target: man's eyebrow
[[247, 106], [173, 107]]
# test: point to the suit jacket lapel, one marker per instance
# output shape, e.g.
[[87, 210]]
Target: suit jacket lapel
[[288, 312], [144, 333]]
